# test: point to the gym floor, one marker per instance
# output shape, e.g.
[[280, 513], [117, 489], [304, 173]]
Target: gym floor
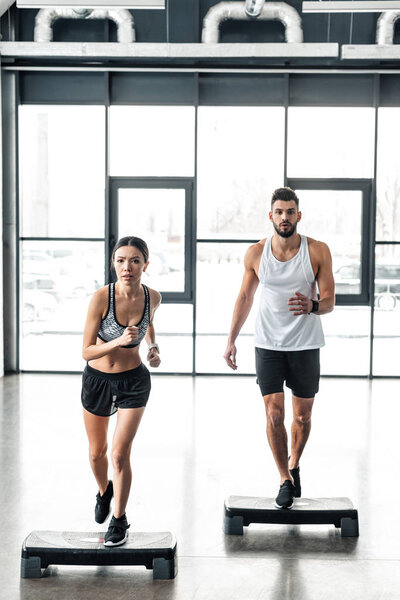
[[200, 440]]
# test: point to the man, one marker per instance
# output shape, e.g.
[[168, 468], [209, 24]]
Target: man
[[288, 331]]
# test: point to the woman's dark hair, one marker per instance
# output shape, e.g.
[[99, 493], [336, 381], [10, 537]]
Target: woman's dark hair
[[131, 240]]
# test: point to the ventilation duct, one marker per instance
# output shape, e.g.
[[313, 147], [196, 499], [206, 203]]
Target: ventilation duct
[[385, 27], [5, 5], [47, 16], [224, 11], [253, 8]]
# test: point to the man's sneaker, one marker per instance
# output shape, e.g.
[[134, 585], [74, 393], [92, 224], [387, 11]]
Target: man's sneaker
[[286, 494], [295, 473], [117, 533], [102, 508]]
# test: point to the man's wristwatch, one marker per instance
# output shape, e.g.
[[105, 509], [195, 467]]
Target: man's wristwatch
[[315, 306], [155, 346]]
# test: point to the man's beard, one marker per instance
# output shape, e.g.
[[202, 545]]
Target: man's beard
[[285, 233]]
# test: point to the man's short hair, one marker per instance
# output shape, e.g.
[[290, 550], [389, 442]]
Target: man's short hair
[[284, 193]]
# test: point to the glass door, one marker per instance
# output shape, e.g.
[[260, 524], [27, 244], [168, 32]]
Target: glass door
[[160, 212]]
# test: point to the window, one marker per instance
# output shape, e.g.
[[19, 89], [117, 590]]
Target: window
[[240, 163], [62, 157], [331, 142], [57, 281], [388, 176], [387, 310], [152, 141]]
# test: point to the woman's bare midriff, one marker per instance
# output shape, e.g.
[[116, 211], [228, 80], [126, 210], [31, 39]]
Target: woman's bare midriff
[[119, 360]]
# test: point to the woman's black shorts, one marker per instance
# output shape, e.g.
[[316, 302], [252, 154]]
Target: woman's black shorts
[[300, 369], [104, 393]]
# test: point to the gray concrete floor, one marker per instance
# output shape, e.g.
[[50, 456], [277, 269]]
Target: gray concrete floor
[[201, 440]]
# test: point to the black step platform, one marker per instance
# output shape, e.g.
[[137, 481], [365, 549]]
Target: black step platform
[[240, 511], [155, 551]]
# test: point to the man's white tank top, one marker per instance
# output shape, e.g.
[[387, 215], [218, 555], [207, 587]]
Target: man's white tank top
[[276, 327]]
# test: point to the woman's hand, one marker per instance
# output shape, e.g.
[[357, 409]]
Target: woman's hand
[[153, 358], [129, 336]]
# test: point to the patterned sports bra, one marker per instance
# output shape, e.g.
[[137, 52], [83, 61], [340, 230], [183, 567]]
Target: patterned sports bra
[[110, 329]]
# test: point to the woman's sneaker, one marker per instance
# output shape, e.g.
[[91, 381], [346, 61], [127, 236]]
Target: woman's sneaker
[[295, 473], [102, 508], [286, 494], [117, 533]]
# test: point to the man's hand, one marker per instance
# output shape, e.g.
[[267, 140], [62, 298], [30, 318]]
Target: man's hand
[[230, 356], [300, 305], [153, 358]]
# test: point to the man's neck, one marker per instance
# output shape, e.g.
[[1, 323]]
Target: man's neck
[[286, 245]]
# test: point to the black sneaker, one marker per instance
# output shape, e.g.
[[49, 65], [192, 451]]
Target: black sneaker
[[117, 533], [295, 473], [102, 508], [285, 497]]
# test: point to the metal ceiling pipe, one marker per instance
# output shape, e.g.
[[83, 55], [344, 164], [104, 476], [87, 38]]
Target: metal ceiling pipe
[[224, 11], [253, 8], [5, 5], [46, 17], [385, 27]]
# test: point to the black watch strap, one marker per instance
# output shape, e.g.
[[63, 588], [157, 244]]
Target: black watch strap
[[315, 306]]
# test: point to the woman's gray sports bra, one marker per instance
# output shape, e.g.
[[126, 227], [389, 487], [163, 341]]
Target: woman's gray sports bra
[[110, 329]]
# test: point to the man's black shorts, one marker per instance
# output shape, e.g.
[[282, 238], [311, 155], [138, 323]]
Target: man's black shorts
[[104, 393], [299, 369]]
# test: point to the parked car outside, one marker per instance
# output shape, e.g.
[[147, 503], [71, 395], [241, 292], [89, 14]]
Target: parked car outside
[[38, 306], [387, 283]]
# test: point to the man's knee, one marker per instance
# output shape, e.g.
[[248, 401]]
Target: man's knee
[[302, 419], [274, 406]]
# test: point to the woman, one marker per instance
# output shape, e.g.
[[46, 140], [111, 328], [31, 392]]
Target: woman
[[115, 379]]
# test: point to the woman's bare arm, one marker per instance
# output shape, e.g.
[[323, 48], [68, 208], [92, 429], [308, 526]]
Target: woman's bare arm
[[91, 350]]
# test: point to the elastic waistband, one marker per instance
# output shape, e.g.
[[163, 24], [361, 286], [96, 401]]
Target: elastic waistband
[[114, 376]]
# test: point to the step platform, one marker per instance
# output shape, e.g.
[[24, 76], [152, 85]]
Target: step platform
[[240, 511], [155, 551]]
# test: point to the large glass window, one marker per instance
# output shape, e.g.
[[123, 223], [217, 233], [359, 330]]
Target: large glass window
[[61, 167], [388, 175], [240, 153], [347, 336], [331, 142], [219, 277], [57, 282], [152, 141], [240, 162], [174, 330], [387, 310]]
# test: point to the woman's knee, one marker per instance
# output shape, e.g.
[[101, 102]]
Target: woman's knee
[[97, 453], [120, 457]]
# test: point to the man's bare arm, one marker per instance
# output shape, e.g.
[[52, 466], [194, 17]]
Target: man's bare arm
[[243, 303], [326, 282]]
